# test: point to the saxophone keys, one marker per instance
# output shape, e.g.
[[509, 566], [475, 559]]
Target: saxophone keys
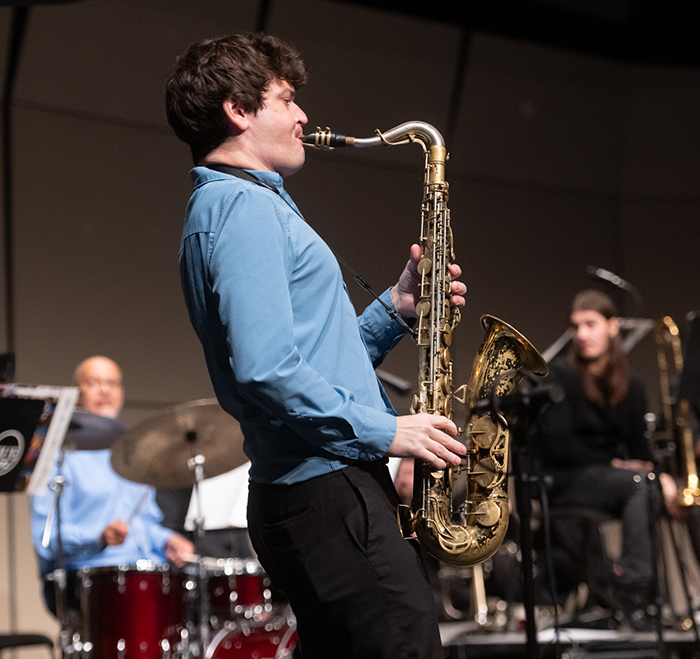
[[456, 538], [423, 308], [425, 265], [485, 472], [445, 382], [488, 513], [446, 407], [445, 358], [483, 432], [446, 330]]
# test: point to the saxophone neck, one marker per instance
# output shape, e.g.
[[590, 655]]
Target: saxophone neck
[[411, 131]]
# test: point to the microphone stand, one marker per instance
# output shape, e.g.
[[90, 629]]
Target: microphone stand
[[59, 575], [522, 409]]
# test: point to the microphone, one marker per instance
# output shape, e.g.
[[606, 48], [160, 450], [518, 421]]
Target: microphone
[[601, 274]]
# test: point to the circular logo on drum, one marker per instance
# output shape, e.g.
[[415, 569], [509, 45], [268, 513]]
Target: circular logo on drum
[[11, 450]]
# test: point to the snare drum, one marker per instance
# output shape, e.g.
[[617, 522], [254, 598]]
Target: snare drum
[[274, 639], [133, 611]]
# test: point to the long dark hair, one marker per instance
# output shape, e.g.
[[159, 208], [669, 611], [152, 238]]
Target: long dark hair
[[610, 388]]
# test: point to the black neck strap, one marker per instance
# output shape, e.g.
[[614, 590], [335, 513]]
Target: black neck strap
[[239, 172]]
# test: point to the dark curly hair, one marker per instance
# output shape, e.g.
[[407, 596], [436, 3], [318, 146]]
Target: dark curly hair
[[240, 66]]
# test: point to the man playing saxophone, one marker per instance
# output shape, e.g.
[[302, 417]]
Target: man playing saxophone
[[290, 360]]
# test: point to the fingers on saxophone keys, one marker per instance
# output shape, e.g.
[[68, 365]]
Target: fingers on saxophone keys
[[449, 450], [439, 456], [433, 460]]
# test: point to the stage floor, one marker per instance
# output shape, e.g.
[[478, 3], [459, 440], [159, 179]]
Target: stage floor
[[463, 640]]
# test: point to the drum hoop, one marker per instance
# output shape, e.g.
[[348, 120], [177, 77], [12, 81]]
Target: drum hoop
[[236, 567], [231, 628], [143, 567], [220, 636]]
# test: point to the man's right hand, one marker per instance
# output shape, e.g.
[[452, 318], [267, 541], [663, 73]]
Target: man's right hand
[[114, 534], [428, 438]]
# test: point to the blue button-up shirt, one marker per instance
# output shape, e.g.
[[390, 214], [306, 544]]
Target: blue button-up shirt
[[287, 355], [95, 496]]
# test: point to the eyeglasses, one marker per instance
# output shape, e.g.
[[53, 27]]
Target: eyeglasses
[[95, 383]]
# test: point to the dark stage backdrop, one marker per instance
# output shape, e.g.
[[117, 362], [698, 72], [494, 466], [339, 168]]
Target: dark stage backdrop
[[558, 160]]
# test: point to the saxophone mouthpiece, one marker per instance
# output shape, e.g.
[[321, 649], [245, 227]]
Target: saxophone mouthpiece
[[324, 139]]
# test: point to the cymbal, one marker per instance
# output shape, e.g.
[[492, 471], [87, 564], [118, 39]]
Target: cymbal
[[156, 451], [92, 432]]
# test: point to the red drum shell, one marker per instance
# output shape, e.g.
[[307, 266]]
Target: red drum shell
[[129, 610], [237, 589]]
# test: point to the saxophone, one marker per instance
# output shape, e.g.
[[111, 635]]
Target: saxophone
[[471, 531], [676, 412]]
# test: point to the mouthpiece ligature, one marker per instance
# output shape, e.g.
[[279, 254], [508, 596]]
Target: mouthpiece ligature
[[324, 139]]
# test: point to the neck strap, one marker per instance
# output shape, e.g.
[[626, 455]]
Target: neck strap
[[239, 172]]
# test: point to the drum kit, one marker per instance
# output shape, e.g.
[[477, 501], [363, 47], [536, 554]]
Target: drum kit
[[212, 608]]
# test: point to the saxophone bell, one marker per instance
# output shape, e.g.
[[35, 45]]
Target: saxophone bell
[[466, 525]]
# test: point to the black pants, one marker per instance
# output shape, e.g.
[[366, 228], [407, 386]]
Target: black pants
[[625, 495], [357, 588]]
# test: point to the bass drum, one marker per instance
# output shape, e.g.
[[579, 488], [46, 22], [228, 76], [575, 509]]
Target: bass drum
[[274, 639]]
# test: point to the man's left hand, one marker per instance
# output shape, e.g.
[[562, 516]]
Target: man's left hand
[[405, 294], [177, 548]]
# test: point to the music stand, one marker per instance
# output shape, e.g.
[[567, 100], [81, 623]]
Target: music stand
[[34, 420], [41, 436], [19, 418]]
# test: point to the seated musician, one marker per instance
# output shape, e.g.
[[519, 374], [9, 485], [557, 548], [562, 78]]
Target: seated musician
[[105, 520], [595, 449]]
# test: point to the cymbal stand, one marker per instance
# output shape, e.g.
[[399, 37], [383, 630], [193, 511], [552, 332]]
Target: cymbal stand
[[196, 465], [58, 576]]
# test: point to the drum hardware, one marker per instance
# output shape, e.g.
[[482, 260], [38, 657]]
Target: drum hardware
[[67, 641], [196, 465]]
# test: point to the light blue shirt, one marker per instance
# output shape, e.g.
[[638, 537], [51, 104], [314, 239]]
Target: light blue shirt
[[95, 496], [287, 355]]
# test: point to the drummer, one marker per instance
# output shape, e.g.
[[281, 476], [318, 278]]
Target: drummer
[[105, 519]]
